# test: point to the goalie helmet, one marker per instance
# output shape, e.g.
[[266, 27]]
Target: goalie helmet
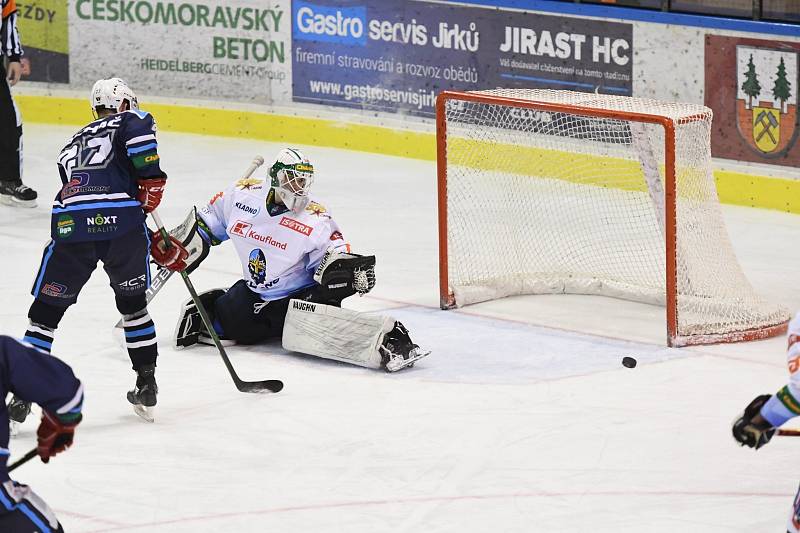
[[110, 94], [292, 175]]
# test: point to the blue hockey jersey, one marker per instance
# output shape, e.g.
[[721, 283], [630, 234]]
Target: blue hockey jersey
[[34, 376], [99, 169]]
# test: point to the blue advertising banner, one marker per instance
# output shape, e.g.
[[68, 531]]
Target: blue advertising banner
[[397, 55]]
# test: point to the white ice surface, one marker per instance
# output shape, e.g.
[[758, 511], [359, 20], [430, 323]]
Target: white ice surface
[[516, 422]]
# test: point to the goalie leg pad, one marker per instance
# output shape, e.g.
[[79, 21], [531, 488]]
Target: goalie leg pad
[[334, 333], [190, 329], [372, 341]]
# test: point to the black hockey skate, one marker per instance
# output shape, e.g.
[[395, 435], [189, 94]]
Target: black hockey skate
[[18, 411], [398, 351], [14, 192], [143, 396]]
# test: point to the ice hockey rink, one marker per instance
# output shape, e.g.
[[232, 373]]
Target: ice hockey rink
[[522, 419]]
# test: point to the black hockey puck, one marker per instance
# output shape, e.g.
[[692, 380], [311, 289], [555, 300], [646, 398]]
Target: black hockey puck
[[628, 362]]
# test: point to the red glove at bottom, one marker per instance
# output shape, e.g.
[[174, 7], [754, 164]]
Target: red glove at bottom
[[174, 257], [55, 434]]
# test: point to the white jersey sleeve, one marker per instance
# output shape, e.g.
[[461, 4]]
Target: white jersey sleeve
[[215, 216], [785, 404], [793, 356]]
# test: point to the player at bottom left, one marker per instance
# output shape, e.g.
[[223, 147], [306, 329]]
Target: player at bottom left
[[35, 376], [111, 178]]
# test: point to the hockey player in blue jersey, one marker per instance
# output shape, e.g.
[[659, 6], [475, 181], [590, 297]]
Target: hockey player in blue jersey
[[35, 376], [111, 178]]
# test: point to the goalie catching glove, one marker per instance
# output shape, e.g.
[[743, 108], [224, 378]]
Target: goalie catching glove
[[343, 274]]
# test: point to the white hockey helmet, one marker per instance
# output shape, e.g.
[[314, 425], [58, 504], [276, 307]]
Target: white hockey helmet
[[110, 94], [292, 175]]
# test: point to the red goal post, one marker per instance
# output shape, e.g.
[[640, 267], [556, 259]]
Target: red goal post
[[626, 173]]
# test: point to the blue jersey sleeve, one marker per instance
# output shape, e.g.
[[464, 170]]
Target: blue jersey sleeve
[[138, 133], [34, 376]]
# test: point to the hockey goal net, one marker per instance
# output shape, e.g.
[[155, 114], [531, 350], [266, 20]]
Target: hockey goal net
[[547, 192]]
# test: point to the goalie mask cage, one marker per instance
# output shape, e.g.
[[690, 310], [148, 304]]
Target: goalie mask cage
[[550, 192]]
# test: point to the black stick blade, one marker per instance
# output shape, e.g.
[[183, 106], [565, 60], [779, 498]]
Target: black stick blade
[[269, 385]]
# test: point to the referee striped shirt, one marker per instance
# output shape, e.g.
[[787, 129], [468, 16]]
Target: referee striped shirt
[[10, 45]]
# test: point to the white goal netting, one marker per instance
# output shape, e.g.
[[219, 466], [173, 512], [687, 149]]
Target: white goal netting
[[547, 199]]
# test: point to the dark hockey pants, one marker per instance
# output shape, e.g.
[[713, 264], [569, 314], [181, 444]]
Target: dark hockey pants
[[22, 511], [66, 267], [245, 318]]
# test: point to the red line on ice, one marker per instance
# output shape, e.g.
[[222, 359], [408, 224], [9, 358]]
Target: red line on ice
[[425, 499]]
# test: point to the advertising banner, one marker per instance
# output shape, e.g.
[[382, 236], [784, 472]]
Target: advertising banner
[[212, 49], [396, 55], [44, 34], [752, 84]]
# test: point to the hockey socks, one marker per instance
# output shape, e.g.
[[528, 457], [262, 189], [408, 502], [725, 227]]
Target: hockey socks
[[140, 338], [39, 336]]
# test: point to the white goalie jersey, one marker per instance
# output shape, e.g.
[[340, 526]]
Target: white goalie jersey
[[279, 252]]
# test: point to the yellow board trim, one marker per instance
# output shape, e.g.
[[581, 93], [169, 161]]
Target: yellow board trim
[[758, 191], [248, 124], [733, 187]]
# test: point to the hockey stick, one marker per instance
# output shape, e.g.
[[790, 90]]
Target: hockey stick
[[788, 432], [271, 385], [24, 459], [158, 281]]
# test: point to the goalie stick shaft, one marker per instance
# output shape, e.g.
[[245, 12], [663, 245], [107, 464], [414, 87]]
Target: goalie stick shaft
[[271, 385], [158, 281], [24, 459]]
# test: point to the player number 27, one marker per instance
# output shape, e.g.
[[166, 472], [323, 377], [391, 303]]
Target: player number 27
[[95, 153]]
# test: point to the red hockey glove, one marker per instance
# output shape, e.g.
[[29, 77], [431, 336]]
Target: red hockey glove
[[150, 192], [174, 257], [55, 434]]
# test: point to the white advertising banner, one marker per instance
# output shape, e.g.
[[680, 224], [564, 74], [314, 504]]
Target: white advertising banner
[[235, 50]]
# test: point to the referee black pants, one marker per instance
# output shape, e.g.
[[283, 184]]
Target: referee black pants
[[10, 132]]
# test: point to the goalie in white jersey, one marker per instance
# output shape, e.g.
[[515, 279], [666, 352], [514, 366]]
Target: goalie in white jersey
[[297, 268], [762, 417]]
